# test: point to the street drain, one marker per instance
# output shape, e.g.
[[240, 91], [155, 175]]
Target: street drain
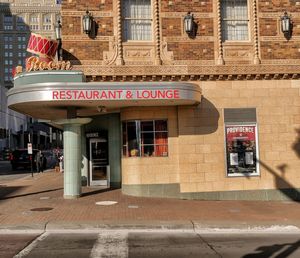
[[42, 209]]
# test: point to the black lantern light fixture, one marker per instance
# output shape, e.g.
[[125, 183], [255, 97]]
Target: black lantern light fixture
[[286, 25], [87, 22], [58, 38], [189, 24]]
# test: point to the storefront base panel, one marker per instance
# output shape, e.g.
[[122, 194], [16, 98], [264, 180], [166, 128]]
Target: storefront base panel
[[115, 185], [153, 190], [173, 191]]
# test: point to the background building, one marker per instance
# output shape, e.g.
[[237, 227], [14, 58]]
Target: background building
[[240, 141], [18, 18]]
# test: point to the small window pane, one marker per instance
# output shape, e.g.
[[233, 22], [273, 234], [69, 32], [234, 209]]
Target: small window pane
[[147, 126], [147, 138], [161, 125], [234, 15]]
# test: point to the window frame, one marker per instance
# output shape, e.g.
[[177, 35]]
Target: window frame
[[126, 153], [237, 20], [125, 39]]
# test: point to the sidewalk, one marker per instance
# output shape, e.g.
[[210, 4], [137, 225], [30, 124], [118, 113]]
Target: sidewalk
[[37, 203]]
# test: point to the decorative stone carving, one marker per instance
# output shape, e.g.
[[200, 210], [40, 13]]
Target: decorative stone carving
[[232, 53], [157, 33], [109, 57], [220, 60], [192, 72], [119, 60], [255, 30], [166, 56], [138, 53]]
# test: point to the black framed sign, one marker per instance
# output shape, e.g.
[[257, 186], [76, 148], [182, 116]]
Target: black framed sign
[[241, 149]]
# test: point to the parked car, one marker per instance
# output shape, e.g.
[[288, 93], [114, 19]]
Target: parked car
[[21, 158]]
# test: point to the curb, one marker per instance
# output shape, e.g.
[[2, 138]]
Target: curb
[[171, 226]]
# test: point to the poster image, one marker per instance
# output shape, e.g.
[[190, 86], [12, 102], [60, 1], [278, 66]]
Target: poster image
[[241, 149]]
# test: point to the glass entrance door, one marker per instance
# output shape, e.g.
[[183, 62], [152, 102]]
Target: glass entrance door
[[99, 167]]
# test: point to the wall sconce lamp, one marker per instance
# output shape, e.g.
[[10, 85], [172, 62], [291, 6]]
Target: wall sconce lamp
[[286, 25], [87, 22], [189, 25], [58, 38], [101, 109]]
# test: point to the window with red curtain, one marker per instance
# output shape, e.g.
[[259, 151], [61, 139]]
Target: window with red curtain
[[145, 138]]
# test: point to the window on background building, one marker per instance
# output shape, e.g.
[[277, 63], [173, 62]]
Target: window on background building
[[8, 22], [137, 20], [47, 22], [8, 38], [145, 138], [21, 25], [241, 142], [34, 22], [235, 20], [8, 62]]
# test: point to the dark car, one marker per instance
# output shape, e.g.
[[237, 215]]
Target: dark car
[[21, 158]]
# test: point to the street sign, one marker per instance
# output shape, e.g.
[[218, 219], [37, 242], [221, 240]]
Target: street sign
[[29, 148]]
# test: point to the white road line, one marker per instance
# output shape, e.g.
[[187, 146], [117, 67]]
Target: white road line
[[111, 244], [31, 246]]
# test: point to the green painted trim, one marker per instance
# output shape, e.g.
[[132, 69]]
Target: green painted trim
[[173, 191]]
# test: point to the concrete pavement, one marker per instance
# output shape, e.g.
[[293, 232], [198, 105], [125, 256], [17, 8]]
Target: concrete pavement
[[36, 204]]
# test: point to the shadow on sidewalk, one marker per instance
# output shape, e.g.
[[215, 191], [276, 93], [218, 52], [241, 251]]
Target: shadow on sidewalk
[[3, 194], [269, 251], [98, 191]]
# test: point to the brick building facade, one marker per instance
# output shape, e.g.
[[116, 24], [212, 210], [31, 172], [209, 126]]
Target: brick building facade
[[239, 141]]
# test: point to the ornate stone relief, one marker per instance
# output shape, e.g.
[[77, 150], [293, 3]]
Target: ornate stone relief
[[143, 55], [81, 13], [109, 57], [182, 14], [185, 38], [256, 59], [237, 53], [192, 72], [166, 56]]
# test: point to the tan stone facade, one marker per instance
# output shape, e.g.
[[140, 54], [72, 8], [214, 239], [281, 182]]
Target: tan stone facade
[[260, 73], [197, 140]]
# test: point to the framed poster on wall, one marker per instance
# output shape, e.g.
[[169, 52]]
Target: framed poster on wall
[[241, 149]]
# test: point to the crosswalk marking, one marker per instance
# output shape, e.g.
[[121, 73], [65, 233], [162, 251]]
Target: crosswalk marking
[[31, 246]]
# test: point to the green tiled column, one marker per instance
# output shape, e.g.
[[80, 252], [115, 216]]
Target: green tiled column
[[72, 156]]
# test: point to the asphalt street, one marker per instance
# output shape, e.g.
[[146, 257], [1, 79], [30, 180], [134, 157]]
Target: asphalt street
[[7, 174], [147, 244]]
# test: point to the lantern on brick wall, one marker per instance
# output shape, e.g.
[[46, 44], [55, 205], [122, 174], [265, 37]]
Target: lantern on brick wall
[[189, 23], [286, 25], [58, 38], [87, 22], [58, 30]]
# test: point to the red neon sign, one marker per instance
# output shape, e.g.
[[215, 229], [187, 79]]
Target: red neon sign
[[114, 94]]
